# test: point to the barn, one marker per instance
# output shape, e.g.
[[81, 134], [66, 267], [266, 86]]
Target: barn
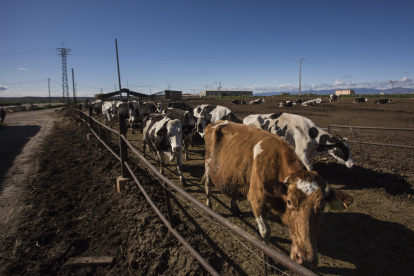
[[344, 92], [208, 93]]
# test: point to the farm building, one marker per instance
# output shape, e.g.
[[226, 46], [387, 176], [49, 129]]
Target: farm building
[[208, 93], [173, 95], [344, 92]]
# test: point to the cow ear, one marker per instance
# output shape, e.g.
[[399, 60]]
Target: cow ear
[[339, 200], [163, 131], [338, 137], [266, 126]]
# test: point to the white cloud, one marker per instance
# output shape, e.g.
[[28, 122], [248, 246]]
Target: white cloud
[[404, 82], [23, 69]]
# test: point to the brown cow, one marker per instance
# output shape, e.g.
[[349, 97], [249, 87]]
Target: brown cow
[[269, 174]]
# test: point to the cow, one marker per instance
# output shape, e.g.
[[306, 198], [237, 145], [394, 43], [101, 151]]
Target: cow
[[334, 98], [109, 111], [163, 135], [258, 101], [268, 173], [360, 100], [312, 102], [180, 105], [132, 113], [145, 109], [238, 102], [286, 104], [96, 108], [208, 113], [304, 136], [187, 121], [383, 101]]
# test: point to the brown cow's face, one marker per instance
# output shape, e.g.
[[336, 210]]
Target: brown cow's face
[[305, 203]]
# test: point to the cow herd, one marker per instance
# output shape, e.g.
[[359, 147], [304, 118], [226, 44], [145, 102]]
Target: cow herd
[[264, 158]]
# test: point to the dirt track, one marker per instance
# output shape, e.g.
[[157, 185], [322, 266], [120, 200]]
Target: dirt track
[[72, 209]]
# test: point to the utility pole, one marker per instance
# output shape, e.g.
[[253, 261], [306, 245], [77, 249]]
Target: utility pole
[[119, 74], [392, 83], [63, 52], [73, 84], [300, 69], [50, 99]]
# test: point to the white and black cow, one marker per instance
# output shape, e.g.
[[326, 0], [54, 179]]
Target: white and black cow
[[304, 136], [109, 111], [187, 121], [286, 104], [334, 98], [209, 113], [312, 102], [383, 101], [163, 135], [258, 101], [96, 107], [238, 102], [360, 100], [146, 109]]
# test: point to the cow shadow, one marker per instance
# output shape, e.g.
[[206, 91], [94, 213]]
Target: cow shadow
[[12, 141], [370, 245], [359, 178]]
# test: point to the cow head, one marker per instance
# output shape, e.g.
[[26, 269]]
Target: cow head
[[307, 194], [338, 147], [170, 134], [201, 126]]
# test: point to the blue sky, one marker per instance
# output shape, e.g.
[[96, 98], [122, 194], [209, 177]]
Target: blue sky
[[191, 45]]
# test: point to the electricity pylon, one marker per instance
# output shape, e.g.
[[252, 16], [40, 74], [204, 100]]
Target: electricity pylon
[[63, 52]]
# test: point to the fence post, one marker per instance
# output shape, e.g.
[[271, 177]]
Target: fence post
[[90, 117], [122, 145], [329, 129], [168, 203]]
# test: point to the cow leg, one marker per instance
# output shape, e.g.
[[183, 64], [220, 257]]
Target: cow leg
[[186, 148], [160, 155], [234, 208], [207, 182], [265, 232], [303, 156], [144, 147], [132, 127], [180, 171]]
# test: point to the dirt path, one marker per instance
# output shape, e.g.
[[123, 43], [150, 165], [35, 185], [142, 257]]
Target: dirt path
[[19, 143]]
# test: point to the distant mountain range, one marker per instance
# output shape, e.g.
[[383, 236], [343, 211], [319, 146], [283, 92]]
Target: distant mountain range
[[358, 91]]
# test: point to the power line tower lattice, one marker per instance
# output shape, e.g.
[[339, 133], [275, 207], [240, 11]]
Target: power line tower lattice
[[63, 52]]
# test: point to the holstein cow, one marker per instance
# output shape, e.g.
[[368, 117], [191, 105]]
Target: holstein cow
[[269, 174], [312, 102], [187, 121], [286, 104], [383, 101], [334, 98], [258, 101], [97, 108], [163, 135], [238, 102], [304, 136], [208, 113], [360, 100], [146, 109], [109, 111]]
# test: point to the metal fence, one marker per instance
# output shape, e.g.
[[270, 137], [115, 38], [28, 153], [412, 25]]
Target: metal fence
[[127, 172]]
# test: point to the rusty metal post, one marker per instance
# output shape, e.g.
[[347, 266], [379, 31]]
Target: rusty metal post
[[168, 203], [122, 145]]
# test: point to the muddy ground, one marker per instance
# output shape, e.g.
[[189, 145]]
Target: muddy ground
[[73, 210]]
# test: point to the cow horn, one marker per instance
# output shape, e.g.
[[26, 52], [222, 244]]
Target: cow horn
[[327, 189]]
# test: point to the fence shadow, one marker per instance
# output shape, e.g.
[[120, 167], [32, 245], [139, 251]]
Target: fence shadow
[[12, 141], [372, 246]]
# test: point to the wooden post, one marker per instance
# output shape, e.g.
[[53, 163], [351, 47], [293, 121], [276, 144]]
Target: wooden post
[[167, 201], [122, 145], [90, 116]]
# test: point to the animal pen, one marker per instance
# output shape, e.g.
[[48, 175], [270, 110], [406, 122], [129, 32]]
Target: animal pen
[[126, 172]]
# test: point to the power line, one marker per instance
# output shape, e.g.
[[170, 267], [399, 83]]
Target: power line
[[24, 82]]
